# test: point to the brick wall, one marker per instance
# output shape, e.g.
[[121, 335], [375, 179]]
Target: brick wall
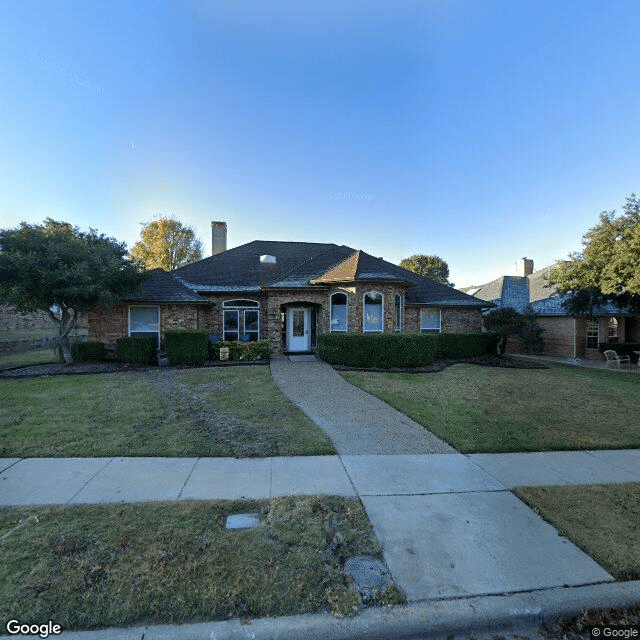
[[453, 319]]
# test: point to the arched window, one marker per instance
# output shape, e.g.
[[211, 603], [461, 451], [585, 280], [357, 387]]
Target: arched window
[[241, 320], [373, 312], [338, 321], [397, 319]]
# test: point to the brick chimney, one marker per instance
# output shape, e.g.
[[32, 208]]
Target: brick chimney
[[218, 237], [524, 267]]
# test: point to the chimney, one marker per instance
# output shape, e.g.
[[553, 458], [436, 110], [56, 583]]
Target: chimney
[[218, 237], [524, 267]]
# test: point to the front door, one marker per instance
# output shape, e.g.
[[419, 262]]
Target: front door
[[298, 329]]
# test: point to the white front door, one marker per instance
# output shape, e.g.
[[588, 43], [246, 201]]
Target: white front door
[[298, 325]]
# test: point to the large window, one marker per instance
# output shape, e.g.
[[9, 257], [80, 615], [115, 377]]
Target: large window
[[430, 321], [373, 315], [592, 334], [241, 320], [397, 320], [145, 321], [339, 312]]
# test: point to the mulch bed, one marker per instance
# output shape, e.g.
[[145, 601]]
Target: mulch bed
[[506, 362]]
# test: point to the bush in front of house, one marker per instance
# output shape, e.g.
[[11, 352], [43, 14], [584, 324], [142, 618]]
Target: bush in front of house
[[137, 349], [383, 350], [465, 345], [89, 351], [186, 346], [247, 351]]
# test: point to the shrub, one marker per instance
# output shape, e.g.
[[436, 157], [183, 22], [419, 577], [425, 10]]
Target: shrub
[[257, 350], [465, 345], [382, 350], [137, 349], [89, 351], [186, 346]]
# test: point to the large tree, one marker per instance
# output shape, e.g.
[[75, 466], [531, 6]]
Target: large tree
[[43, 266], [431, 267], [168, 244], [608, 267]]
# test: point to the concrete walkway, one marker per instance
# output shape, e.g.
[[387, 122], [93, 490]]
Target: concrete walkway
[[453, 535]]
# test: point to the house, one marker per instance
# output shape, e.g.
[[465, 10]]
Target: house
[[287, 293], [565, 335]]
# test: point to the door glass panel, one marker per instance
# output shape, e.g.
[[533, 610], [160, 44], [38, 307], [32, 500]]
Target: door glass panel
[[297, 330]]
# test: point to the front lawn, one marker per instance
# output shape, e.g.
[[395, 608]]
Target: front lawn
[[603, 520], [98, 566], [489, 409], [222, 411]]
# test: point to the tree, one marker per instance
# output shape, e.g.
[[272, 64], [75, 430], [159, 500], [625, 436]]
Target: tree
[[168, 244], [506, 322], [608, 267], [431, 267], [57, 265]]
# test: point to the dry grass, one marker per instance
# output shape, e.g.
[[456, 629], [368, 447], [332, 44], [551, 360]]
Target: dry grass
[[603, 520], [120, 565], [236, 411], [486, 409]]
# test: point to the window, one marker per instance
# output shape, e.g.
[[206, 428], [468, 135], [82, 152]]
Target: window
[[592, 334], [397, 321], [373, 303], [430, 321], [338, 312], [613, 330], [241, 320], [145, 321]]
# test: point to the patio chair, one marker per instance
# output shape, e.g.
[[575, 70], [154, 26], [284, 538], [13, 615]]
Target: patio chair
[[612, 356]]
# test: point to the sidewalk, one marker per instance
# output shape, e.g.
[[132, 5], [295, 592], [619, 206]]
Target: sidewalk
[[466, 552]]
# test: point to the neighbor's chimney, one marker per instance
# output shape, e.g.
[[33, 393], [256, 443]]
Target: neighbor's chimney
[[218, 237], [524, 267]]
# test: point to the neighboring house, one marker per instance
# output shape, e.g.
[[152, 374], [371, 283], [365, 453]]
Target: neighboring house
[[287, 293], [565, 335]]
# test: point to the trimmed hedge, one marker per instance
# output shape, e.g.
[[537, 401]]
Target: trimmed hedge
[[386, 350], [621, 348], [89, 351], [186, 346], [256, 350], [137, 349]]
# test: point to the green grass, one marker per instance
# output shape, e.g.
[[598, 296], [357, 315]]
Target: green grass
[[26, 358], [234, 411], [121, 565], [603, 520], [487, 409]]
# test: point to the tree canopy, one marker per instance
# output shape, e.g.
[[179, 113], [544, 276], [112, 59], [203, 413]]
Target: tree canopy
[[431, 267], [168, 244], [608, 267], [56, 265]]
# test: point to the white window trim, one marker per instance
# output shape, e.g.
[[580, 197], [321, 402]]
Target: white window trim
[[364, 313], [439, 328], [240, 311], [346, 295], [144, 306]]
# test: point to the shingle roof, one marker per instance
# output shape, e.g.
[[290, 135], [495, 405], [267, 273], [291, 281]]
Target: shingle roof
[[160, 286], [308, 264]]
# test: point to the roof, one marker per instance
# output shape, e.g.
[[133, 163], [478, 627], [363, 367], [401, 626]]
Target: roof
[[307, 265], [534, 291], [160, 286]]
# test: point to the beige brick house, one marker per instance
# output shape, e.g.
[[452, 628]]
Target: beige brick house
[[287, 293], [565, 335]]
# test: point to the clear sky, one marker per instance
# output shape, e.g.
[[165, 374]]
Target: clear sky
[[481, 131]]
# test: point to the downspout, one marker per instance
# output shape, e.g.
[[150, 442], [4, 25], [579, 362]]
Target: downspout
[[575, 344]]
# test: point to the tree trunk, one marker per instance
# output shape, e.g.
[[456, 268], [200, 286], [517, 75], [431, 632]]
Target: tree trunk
[[66, 322]]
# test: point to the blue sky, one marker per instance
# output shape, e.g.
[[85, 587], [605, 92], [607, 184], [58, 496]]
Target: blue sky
[[481, 131]]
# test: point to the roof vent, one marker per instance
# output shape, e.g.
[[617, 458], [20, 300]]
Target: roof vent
[[267, 259]]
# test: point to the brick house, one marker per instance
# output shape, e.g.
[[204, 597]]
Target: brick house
[[287, 293], [565, 335]]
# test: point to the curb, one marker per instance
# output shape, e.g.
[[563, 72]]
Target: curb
[[519, 613]]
